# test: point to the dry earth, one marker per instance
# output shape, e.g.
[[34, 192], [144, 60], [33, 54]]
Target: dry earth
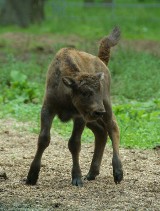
[[47, 44], [140, 189]]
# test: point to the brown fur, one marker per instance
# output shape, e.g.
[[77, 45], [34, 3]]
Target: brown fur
[[106, 44], [78, 88]]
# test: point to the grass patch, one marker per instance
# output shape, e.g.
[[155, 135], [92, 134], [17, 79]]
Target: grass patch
[[135, 75], [139, 123]]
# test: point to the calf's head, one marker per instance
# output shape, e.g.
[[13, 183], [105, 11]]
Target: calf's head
[[87, 94]]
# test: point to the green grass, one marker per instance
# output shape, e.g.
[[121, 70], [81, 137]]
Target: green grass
[[139, 123], [135, 75]]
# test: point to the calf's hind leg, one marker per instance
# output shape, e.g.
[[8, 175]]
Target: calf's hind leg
[[47, 116], [74, 146]]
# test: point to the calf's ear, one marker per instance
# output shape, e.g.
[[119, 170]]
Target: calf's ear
[[100, 76], [69, 81]]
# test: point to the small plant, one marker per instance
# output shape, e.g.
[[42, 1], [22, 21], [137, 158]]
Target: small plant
[[19, 87]]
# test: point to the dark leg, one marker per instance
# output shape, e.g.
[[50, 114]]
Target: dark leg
[[74, 146], [43, 142], [100, 133], [113, 132]]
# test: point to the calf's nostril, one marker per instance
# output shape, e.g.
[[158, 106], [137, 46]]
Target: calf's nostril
[[98, 113]]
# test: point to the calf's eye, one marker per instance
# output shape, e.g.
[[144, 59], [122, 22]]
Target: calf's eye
[[85, 94]]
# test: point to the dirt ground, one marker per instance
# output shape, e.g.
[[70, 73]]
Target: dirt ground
[[140, 189], [47, 44]]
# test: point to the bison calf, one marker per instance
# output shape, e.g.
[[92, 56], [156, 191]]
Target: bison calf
[[78, 88]]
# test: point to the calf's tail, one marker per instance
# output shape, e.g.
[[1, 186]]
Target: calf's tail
[[106, 43]]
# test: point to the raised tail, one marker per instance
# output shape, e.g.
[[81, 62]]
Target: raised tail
[[106, 43]]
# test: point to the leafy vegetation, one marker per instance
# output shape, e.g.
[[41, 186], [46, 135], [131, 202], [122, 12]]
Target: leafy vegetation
[[135, 75]]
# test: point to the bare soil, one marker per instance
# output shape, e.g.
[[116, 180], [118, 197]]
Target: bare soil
[[140, 189], [48, 44]]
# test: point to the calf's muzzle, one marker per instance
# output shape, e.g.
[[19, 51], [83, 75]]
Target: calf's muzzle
[[98, 114]]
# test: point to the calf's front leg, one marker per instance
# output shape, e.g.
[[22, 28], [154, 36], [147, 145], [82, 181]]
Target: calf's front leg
[[47, 116], [113, 132], [74, 146], [100, 134]]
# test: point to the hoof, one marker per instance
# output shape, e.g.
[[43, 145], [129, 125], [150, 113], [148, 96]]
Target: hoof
[[77, 182], [31, 179], [90, 176], [118, 175], [31, 182]]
